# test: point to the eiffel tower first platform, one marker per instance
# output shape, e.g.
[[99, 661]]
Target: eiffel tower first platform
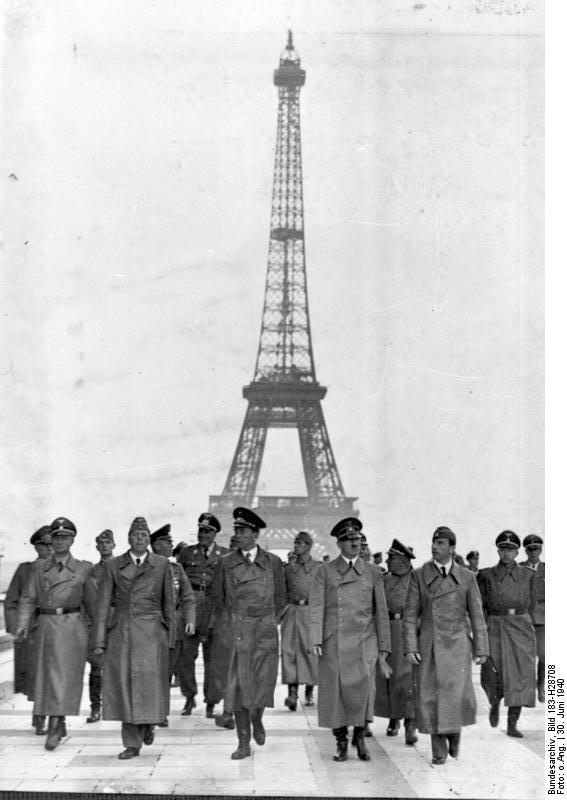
[[284, 392]]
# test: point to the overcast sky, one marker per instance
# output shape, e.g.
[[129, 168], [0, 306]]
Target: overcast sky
[[138, 143]]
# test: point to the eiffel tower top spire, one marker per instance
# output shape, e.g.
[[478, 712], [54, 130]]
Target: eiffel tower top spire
[[285, 352]]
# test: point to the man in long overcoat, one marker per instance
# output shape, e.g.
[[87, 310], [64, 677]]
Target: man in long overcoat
[[24, 651], [533, 545], [105, 545], [349, 631], [249, 584], [508, 597], [162, 544], [199, 562], [58, 601], [299, 665], [135, 682], [441, 595], [220, 660], [395, 698]]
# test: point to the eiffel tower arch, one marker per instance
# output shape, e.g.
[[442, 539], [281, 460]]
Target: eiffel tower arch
[[284, 392]]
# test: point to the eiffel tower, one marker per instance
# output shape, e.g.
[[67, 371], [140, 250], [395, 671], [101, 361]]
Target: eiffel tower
[[284, 392]]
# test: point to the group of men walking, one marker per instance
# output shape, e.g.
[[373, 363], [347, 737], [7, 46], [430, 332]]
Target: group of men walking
[[398, 645]]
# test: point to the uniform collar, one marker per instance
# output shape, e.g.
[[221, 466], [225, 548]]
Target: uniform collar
[[342, 566], [502, 571], [430, 572]]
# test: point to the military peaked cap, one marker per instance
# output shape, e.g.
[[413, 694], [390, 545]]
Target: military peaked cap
[[303, 536], [42, 535], [346, 527], [139, 524], [179, 546], [245, 518], [442, 532], [399, 549], [508, 539], [209, 521], [533, 540], [472, 554], [161, 533], [63, 526], [105, 535]]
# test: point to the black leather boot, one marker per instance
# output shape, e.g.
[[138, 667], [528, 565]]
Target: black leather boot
[[225, 720], [190, 704], [411, 731], [210, 710], [95, 694], [62, 727], [341, 735], [53, 733], [494, 714], [38, 722], [291, 699], [360, 744], [513, 717], [309, 695], [258, 731], [242, 718], [393, 727], [454, 741]]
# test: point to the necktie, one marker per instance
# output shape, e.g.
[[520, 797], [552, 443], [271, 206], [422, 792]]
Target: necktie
[[138, 562], [60, 566], [350, 563], [443, 572], [205, 550], [248, 558]]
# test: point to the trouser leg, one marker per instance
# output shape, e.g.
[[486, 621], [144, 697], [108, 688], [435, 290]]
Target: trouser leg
[[341, 735], [242, 719], [291, 699], [186, 666], [95, 692], [259, 733], [439, 749], [513, 717], [133, 735], [207, 648]]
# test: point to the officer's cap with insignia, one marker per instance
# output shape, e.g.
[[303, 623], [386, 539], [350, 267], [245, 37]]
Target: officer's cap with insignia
[[532, 541], [472, 554], [105, 536], [399, 549], [42, 535], [443, 532], [303, 536], [162, 533], [508, 539], [209, 522], [178, 547], [139, 524], [61, 526], [347, 528], [246, 518]]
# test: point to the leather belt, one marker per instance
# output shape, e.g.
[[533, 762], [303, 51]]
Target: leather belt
[[198, 587], [300, 602], [396, 614], [506, 612], [60, 610]]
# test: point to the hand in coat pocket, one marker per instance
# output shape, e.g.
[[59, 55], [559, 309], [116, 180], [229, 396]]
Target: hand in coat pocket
[[383, 665]]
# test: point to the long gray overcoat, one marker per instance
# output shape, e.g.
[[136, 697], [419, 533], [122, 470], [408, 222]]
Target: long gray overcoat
[[24, 650], [60, 640], [435, 626], [299, 665], [135, 682], [252, 597], [349, 618]]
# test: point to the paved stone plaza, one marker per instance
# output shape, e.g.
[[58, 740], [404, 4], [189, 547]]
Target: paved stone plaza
[[192, 756]]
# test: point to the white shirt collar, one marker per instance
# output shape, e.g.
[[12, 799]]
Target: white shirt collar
[[351, 560], [252, 552], [142, 558], [447, 566]]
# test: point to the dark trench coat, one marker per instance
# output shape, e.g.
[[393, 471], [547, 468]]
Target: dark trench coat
[[349, 618], [60, 641], [395, 695], [135, 682], [252, 598], [24, 652], [436, 626]]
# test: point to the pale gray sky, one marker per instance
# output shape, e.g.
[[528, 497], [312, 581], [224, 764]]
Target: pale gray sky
[[138, 143]]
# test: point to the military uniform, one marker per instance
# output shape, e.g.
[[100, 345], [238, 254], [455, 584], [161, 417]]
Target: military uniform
[[199, 569], [538, 617], [508, 596]]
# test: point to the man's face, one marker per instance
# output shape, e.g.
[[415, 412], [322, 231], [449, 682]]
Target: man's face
[[442, 550], [43, 549], [534, 553], [206, 537], [301, 547], [61, 543], [350, 546], [105, 547], [507, 555], [139, 541], [245, 538], [473, 562], [163, 547], [397, 564]]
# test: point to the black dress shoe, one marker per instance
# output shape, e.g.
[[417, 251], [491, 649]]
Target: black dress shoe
[[454, 742], [258, 731], [190, 704], [393, 727], [130, 752], [360, 744], [342, 748], [38, 722], [410, 729], [291, 703], [242, 751], [210, 711], [514, 732], [494, 714], [225, 720], [438, 760], [163, 724], [95, 716], [53, 733], [149, 735]]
